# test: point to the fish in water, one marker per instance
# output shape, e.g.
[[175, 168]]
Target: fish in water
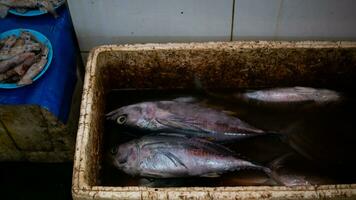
[[188, 117], [291, 95], [14, 61], [167, 156], [35, 69], [24, 5]]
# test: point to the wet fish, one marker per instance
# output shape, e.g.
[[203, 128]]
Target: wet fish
[[14, 61], [163, 156], [16, 50], [190, 118], [291, 95], [35, 69], [20, 69], [26, 4]]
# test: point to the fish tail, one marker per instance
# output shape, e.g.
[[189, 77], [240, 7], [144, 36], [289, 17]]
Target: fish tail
[[25, 82], [274, 165]]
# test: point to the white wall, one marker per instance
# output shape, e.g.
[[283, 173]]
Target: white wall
[[100, 22]]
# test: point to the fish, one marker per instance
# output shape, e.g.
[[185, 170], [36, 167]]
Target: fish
[[167, 156], [57, 3], [16, 50], [290, 95], [23, 5], [14, 61], [19, 42], [35, 69], [27, 37], [190, 118], [3, 11], [21, 10], [49, 7], [8, 43], [20, 69]]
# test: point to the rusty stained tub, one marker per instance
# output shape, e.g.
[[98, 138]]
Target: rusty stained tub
[[216, 65]]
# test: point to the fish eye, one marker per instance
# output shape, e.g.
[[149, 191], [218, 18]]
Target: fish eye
[[113, 151], [122, 119]]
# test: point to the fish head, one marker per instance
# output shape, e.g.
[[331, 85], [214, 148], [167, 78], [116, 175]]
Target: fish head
[[126, 157], [138, 115]]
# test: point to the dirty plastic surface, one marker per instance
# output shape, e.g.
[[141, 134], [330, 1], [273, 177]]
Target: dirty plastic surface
[[54, 90]]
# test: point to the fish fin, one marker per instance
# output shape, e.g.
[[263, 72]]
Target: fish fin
[[277, 163], [3, 11], [170, 135], [176, 122], [174, 159], [229, 112], [186, 99], [211, 175]]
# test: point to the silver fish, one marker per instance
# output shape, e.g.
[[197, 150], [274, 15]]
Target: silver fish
[[185, 117], [291, 95], [162, 156], [14, 61]]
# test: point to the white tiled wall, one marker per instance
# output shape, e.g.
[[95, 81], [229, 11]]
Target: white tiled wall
[[256, 19], [136, 21], [323, 19], [139, 21]]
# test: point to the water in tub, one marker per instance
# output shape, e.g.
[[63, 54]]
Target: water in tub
[[304, 136]]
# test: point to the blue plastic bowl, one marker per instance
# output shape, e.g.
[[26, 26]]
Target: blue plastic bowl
[[42, 39], [29, 13]]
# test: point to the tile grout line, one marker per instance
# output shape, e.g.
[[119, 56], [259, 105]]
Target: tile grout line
[[232, 21], [279, 15]]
